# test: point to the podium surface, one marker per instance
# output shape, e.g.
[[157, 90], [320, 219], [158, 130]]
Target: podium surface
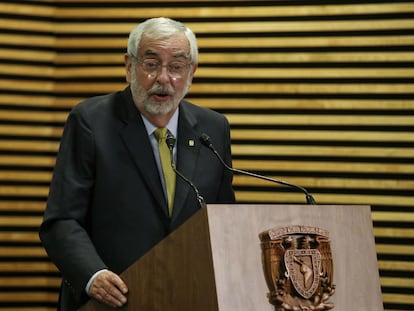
[[214, 260]]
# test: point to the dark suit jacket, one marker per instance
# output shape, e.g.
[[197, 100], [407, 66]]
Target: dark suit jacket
[[106, 206]]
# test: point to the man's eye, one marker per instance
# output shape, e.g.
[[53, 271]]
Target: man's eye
[[176, 66], [151, 65]]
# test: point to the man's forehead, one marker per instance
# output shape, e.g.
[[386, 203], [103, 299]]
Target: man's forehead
[[177, 45]]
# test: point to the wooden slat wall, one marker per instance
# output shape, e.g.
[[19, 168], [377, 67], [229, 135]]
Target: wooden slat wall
[[318, 93], [28, 280]]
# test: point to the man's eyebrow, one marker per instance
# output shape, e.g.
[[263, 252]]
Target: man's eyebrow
[[150, 53], [180, 54]]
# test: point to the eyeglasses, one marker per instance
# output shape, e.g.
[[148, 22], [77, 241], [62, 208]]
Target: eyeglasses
[[153, 67]]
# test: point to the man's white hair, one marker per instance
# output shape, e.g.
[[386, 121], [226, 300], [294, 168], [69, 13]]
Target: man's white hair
[[159, 28]]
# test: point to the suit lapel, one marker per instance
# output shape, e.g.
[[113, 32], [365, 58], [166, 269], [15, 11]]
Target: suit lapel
[[188, 149], [137, 143]]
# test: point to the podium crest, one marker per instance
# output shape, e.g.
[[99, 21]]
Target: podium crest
[[298, 268]]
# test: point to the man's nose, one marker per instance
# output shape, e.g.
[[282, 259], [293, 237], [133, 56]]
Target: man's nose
[[163, 74]]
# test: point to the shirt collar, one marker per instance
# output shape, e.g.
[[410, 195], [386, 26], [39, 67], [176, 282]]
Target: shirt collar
[[171, 126]]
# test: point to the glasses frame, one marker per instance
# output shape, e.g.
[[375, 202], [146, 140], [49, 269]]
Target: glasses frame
[[157, 71]]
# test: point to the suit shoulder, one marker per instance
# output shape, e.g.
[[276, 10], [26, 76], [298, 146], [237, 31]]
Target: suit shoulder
[[203, 113], [96, 103]]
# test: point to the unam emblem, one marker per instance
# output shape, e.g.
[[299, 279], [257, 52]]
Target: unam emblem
[[298, 268]]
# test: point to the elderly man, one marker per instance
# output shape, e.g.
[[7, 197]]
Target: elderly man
[[112, 196]]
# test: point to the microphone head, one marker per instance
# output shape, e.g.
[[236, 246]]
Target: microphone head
[[170, 140], [205, 140]]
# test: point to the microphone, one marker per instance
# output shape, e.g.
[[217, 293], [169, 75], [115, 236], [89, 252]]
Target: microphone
[[205, 140], [170, 140]]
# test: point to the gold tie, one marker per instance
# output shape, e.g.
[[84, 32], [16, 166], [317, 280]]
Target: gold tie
[[165, 156]]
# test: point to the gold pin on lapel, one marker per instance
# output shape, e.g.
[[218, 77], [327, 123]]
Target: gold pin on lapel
[[191, 143]]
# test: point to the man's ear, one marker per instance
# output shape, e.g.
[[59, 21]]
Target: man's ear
[[195, 66], [128, 67]]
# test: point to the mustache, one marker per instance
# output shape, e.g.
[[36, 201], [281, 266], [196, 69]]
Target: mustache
[[159, 89]]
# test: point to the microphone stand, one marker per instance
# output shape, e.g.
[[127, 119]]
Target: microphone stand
[[170, 140], [205, 139]]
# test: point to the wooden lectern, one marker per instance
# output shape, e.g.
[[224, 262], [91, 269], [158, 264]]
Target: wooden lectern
[[214, 260]]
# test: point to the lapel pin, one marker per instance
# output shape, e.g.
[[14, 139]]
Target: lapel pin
[[191, 143]]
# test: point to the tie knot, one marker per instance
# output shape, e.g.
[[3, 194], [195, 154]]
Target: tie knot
[[161, 133]]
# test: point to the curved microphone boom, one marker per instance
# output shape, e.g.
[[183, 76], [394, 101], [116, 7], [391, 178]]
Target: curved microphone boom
[[170, 140], [205, 140]]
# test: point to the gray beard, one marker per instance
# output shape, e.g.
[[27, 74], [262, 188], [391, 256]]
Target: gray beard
[[156, 108], [153, 107]]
